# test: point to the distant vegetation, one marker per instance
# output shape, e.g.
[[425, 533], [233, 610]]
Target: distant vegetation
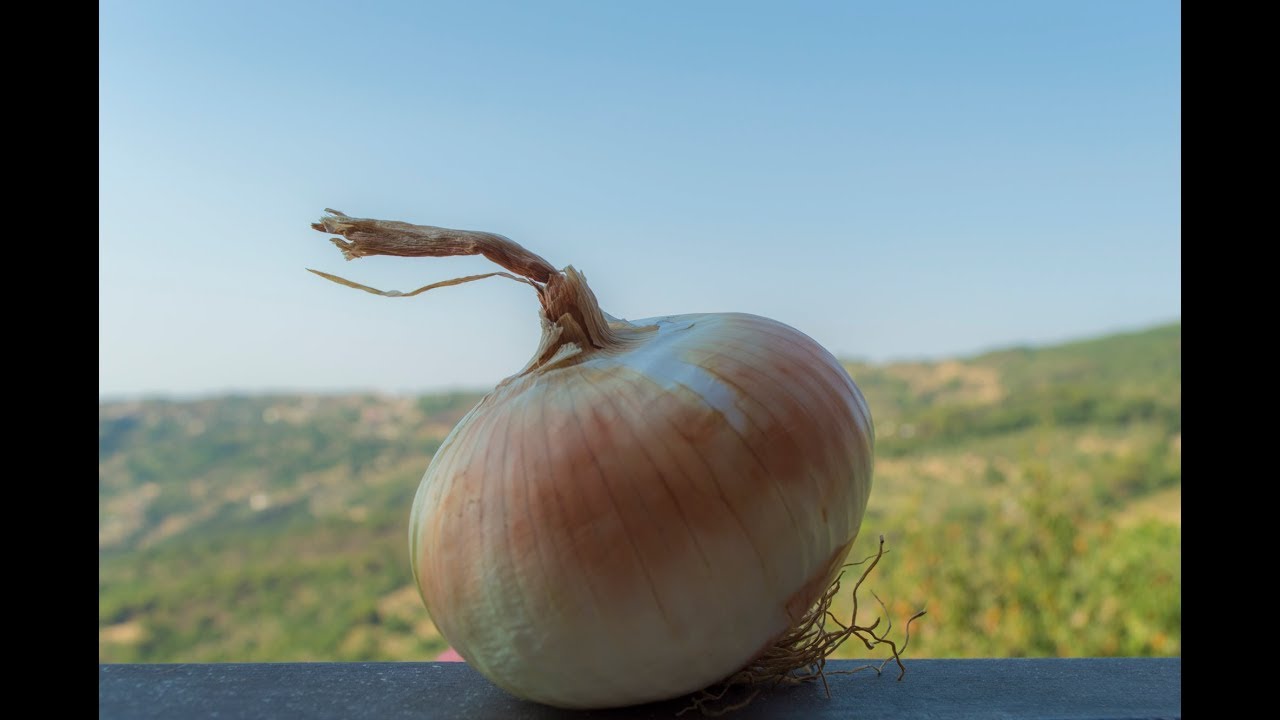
[[1031, 499]]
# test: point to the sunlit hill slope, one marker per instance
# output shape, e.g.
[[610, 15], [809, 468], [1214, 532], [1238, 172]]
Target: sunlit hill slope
[[1031, 499]]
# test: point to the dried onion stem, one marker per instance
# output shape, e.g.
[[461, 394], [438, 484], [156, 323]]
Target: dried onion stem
[[575, 321]]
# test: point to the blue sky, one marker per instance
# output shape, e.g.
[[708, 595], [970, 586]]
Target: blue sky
[[897, 180]]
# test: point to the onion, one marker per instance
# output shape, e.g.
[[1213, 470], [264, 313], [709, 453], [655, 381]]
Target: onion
[[643, 509]]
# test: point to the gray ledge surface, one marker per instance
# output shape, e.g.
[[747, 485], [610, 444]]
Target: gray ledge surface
[[1060, 688]]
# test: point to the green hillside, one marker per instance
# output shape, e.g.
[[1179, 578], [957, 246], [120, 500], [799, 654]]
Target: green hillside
[[1031, 499]]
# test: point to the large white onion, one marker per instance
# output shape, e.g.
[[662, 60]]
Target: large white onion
[[647, 506]]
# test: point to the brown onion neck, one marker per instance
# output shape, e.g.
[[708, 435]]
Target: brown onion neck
[[390, 237], [574, 325]]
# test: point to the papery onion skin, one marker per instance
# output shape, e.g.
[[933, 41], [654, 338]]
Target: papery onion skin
[[641, 524]]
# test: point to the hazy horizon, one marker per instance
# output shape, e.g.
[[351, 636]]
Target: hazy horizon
[[445, 388], [899, 182]]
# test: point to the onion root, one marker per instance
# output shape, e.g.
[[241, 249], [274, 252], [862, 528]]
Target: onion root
[[800, 655]]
